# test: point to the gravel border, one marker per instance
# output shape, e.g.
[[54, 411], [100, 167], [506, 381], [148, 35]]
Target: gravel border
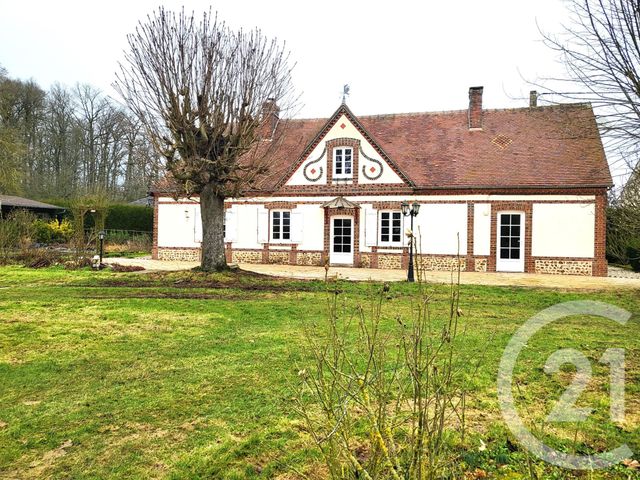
[[618, 272]]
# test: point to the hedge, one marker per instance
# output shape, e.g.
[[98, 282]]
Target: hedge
[[121, 216]]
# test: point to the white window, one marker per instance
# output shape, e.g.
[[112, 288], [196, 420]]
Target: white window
[[280, 225], [343, 162], [390, 228]]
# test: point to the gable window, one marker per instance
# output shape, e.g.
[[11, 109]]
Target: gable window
[[280, 225], [390, 228], [343, 162]]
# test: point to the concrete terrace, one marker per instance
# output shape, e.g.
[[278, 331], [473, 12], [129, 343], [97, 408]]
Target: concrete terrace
[[565, 282]]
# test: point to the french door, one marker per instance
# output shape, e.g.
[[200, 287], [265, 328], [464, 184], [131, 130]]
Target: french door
[[341, 251], [510, 242]]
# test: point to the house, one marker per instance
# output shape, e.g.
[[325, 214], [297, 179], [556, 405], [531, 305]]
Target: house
[[8, 203], [513, 190]]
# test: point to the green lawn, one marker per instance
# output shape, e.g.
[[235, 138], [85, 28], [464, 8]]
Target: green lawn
[[187, 375]]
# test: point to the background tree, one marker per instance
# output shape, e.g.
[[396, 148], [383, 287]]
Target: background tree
[[199, 89], [601, 50], [65, 142]]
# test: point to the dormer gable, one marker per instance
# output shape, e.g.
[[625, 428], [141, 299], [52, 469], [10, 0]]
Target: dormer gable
[[343, 153]]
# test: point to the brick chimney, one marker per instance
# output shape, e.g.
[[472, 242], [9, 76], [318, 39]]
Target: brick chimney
[[533, 99], [475, 108], [269, 118]]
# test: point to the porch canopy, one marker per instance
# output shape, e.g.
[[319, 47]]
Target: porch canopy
[[340, 202]]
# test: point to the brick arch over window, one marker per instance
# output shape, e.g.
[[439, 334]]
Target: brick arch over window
[[354, 144]]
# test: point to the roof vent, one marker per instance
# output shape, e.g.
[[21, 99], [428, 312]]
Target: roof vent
[[501, 141]]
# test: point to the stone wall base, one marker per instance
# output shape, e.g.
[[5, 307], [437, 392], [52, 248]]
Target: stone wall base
[[438, 263], [309, 258], [481, 264], [564, 267], [279, 258], [246, 256], [393, 261], [180, 254]]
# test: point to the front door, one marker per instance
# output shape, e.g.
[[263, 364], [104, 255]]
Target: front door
[[510, 242], [341, 252]]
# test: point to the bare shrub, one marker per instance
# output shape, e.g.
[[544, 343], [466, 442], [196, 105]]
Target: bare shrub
[[17, 232], [385, 391], [38, 258]]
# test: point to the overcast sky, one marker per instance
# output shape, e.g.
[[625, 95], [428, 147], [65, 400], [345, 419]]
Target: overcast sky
[[398, 56]]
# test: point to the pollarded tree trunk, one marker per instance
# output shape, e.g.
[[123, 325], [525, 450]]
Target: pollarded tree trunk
[[212, 215]]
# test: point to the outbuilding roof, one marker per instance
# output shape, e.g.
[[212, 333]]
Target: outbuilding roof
[[21, 202]]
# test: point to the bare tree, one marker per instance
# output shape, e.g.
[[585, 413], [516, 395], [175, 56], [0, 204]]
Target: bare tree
[[601, 50], [199, 88]]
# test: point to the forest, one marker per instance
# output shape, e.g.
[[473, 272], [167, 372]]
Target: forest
[[66, 141]]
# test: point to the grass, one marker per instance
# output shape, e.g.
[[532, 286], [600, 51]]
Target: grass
[[190, 375]]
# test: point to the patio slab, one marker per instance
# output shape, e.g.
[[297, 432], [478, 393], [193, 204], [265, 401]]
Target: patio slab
[[565, 282]]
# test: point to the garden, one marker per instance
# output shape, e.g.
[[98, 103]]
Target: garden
[[72, 238]]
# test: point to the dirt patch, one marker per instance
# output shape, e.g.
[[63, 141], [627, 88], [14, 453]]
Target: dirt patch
[[245, 281], [40, 466], [171, 295]]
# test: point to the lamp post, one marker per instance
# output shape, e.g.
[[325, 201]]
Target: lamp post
[[101, 236], [412, 211]]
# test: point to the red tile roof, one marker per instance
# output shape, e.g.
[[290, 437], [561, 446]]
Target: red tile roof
[[555, 146], [550, 147]]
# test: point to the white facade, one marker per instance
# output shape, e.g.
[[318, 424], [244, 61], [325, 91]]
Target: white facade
[[562, 226], [563, 230]]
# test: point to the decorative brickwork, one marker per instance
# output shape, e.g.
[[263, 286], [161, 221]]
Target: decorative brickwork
[[564, 267], [355, 213], [470, 263], [154, 248], [600, 268], [525, 207], [247, 256], [480, 264], [280, 205], [355, 155], [387, 205], [309, 258], [182, 254]]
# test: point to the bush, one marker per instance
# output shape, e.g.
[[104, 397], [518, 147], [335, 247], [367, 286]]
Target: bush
[[633, 253], [129, 217], [53, 231], [120, 216], [16, 232]]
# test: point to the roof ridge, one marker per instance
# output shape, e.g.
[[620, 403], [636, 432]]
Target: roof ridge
[[445, 112]]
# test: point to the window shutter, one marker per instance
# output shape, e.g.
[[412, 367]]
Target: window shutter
[[371, 228], [263, 226], [296, 227], [197, 226], [231, 226]]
